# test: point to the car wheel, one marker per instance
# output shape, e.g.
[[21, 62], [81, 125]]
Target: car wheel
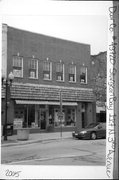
[[93, 136]]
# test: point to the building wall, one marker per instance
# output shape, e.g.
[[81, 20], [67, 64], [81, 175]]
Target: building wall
[[4, 51], [99, 65], [29, 44], [78, 114]]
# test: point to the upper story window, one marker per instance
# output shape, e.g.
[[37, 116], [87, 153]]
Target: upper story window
[[83, 75], [60, 72], [33, 68], [18, 66], [72, 73], [47, 70]]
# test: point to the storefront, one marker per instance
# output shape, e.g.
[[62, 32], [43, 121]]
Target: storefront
[[44, 114], [39, 107]]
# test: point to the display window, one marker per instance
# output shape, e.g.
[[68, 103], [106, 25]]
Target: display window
[[71, 117]]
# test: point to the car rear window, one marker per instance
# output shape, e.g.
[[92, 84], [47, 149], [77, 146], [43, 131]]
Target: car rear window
[[92, 125]]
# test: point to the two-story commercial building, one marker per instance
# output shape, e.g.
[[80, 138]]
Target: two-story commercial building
[[50, 75]]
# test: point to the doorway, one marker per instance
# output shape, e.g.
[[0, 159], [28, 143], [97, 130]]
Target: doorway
[[83, 115], [43, 118]]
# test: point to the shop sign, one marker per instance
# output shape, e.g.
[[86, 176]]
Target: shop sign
[[18, 123]]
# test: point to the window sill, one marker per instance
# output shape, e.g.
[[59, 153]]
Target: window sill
[[33, 78], [72, 81], [60, 80], [83, 83], [47, 79], [18, 77]]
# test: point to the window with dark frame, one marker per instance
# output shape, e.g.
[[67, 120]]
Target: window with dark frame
[[60, 72], [33, 68], [72, 73], [71, 117], [83, 75], [47, 70], [18, 66]]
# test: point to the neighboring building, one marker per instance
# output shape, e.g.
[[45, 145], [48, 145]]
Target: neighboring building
[[98, 76], [46, 70]]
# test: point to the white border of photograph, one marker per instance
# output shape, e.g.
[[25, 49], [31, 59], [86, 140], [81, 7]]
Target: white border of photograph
[[13, 7]]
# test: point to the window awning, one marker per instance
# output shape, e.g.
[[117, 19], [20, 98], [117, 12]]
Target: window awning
[[46, 102]]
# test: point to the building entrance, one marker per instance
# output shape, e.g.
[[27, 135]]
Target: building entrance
[[83, 115], [43, 118]]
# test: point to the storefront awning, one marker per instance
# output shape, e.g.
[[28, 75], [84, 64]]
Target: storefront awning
[[50, 93], [46, 102]]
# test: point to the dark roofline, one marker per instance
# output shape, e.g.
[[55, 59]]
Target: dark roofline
[[70, 41]]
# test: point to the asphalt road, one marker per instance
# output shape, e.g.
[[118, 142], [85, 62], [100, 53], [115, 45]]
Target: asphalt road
[[56, 152]]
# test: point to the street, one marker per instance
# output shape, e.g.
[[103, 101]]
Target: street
[[56, 152]]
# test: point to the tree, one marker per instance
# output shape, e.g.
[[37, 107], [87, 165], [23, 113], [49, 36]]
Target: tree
[[98, 76]]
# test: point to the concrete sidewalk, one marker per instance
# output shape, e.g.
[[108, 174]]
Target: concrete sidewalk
[[35, 137]]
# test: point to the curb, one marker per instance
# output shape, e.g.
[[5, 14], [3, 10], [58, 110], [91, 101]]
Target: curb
[[31, 142]]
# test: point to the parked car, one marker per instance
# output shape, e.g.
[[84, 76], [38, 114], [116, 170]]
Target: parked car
[[92, 131]]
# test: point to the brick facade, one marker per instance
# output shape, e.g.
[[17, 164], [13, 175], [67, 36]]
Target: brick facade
[[41, 48], [29, 44]]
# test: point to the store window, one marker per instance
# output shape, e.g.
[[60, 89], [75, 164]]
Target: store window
[[71, 117], [72, 73], [18, 117], [18, 66], [83, 75], [60, 72], [33, 68], [47, 70]]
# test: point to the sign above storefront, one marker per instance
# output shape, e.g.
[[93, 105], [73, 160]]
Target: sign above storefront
[[46, 102]]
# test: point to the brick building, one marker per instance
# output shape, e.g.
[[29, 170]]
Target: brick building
[[46, 70], [99, 74]]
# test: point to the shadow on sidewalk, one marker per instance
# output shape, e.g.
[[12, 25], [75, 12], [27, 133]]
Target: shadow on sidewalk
[[8, 141]]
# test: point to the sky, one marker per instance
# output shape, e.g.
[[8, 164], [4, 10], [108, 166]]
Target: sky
[[84, 22]]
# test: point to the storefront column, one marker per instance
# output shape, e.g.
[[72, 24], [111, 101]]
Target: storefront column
[[27, 114], [89, 116], [91, 113], [47, 115], [94, 111], [36, 115], [78, 117]]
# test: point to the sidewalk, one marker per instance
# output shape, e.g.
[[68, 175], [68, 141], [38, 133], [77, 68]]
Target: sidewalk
[[35, 137]]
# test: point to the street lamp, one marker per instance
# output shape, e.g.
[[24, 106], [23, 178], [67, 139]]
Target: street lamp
[[7, 82]]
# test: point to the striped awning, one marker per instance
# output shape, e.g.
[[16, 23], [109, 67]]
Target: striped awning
[[46, 102]]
